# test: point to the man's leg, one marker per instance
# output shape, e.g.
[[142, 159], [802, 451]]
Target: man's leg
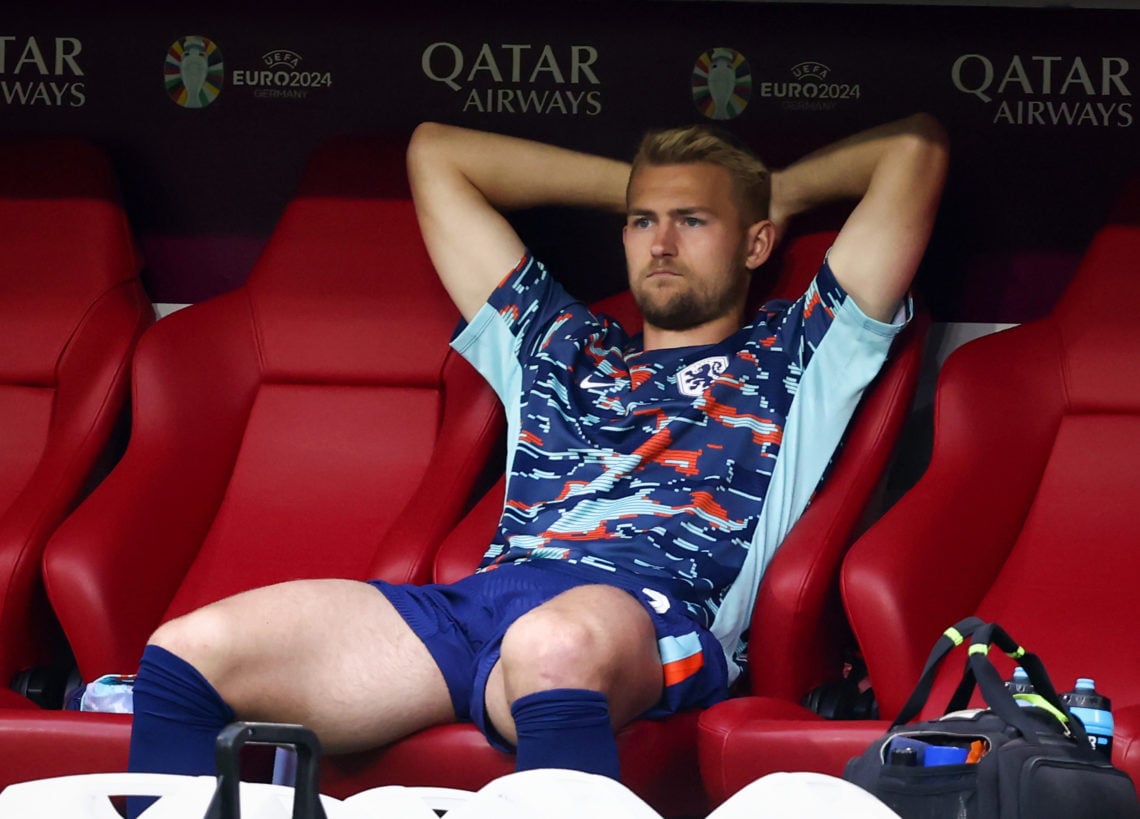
[[572, 671], [331, 654]]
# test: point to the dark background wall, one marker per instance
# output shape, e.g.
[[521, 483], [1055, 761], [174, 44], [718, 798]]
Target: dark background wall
[[1039, 103]]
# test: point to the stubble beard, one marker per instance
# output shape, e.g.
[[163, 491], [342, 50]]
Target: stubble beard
[[684, 309]]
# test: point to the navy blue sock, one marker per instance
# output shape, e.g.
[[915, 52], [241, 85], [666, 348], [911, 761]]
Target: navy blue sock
[[178, 716], [565, 728]]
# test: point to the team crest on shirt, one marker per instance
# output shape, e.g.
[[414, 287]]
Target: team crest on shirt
[[697, 377]]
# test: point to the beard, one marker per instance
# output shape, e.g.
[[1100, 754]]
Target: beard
[[684, 309]]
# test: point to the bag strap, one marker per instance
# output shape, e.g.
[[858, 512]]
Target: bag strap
[[995, 635], [998, 697], [951, 638], [981, 672], [993, 689]]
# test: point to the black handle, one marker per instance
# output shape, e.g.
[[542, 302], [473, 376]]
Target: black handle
[[950, 639], [981, 672], [993, 689], [226, 802]]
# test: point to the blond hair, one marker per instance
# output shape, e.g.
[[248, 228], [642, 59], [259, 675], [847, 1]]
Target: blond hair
[[701, 143]]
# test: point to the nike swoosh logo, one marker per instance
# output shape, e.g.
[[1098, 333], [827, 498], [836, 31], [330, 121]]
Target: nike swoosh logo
[[588, 383]]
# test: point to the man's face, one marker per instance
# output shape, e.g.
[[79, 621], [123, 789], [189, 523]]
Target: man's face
[[685, 245]]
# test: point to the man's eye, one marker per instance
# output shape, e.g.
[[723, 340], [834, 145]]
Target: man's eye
[[641, 222], [692, 221]]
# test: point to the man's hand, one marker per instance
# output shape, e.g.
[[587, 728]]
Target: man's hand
[[778, 213]]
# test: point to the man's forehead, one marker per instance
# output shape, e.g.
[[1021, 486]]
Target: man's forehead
[[693, 186]]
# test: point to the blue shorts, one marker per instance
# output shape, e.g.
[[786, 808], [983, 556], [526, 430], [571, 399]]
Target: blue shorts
[[463, 623]]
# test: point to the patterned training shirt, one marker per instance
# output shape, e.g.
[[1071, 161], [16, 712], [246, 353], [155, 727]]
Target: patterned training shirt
[[677, 470]]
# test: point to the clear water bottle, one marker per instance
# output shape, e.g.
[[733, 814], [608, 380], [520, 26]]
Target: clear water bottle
[[1019, 683], [1094, 710]]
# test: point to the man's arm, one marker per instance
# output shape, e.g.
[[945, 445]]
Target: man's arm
[[897, 171], [462, 181]]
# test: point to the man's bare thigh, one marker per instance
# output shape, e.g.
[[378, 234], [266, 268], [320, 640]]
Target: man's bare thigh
[[331, 654]]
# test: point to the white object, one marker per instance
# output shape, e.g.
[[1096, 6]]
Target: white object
[[88, 796], [802, 795], [538, 794], [550, 793], [399, 802]]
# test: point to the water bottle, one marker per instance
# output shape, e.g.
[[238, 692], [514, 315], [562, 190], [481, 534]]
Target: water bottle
[[1094, 710], [1019, 683]]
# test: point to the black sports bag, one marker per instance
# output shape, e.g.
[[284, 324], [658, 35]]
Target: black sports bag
[[1007, 761]]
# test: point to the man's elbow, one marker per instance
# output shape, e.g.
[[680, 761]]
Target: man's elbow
[[924, 146], [928, 133], [432, 149], [424, 142]]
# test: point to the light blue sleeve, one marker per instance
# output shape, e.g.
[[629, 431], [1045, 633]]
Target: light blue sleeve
[[844, 362]]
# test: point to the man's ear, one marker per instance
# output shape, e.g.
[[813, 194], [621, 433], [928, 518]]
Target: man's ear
[[761, 238]]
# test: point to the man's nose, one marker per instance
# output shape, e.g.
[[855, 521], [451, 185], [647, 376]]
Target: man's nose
[[665, 240]]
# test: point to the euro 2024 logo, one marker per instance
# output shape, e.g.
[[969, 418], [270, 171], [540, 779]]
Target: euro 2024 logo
[[722, 83], [194, 72]]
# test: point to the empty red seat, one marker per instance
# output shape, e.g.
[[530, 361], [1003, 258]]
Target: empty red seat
[[313, 422], [71, 309]]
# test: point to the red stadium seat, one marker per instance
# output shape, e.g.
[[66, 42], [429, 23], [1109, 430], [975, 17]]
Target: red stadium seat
[[1025, 516], [802, 638], [71, 309], [311, 423]]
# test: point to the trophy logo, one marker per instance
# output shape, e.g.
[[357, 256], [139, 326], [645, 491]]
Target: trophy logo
[[722, 83], [194, 72]]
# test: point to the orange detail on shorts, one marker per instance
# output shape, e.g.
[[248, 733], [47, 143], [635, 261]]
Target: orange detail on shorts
[[680, 670]]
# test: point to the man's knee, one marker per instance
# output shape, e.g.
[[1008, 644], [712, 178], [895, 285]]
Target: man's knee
[[195, 636], [552, 647], [584, 638]]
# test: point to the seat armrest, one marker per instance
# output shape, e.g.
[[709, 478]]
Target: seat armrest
[[471, 428], [89, 399]]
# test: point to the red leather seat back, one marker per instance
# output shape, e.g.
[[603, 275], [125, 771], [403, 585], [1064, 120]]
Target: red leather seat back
[[66, 245], [351, 333], [1075, 555], [311, 423], [71, 309], [1025, 514], [351, 327]]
